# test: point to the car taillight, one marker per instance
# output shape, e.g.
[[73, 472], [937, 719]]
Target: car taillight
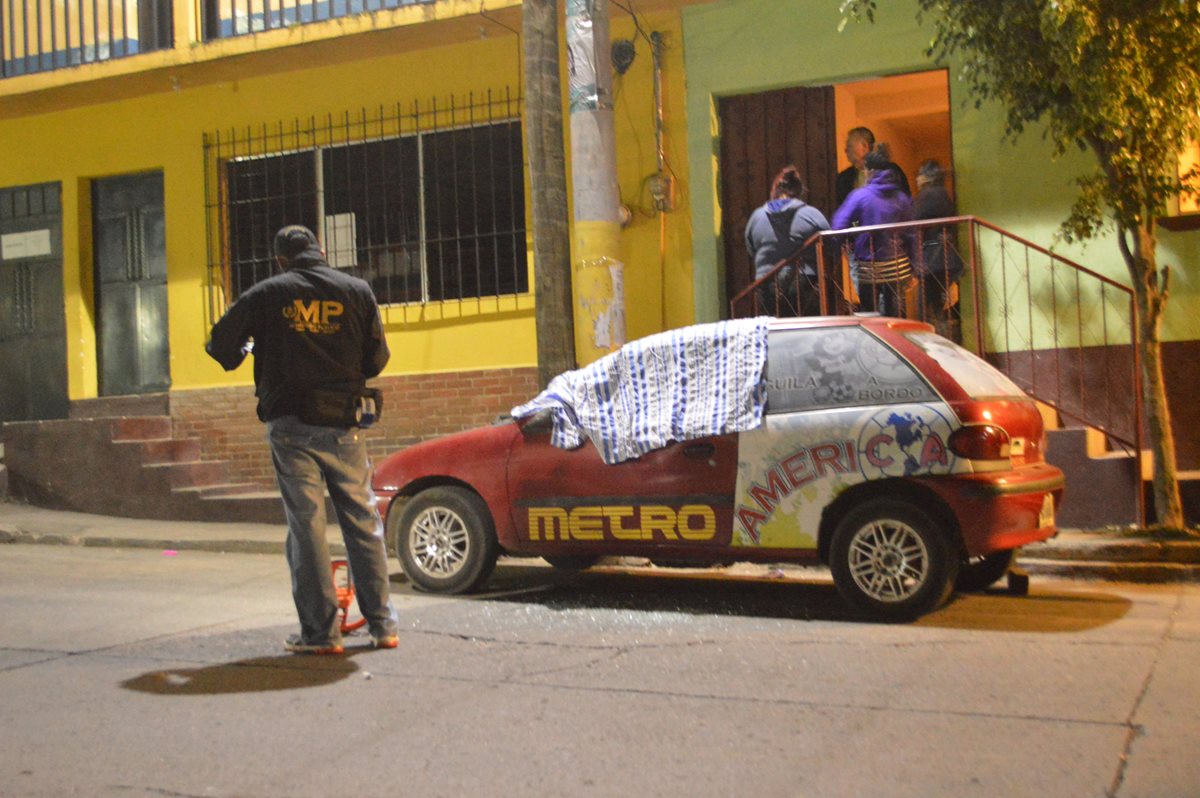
[[980, 442]]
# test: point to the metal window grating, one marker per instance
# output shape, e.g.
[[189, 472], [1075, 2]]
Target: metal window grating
[[425, 202]]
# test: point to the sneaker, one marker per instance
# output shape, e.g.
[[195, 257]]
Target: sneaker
[[296, 645], [385, 641]]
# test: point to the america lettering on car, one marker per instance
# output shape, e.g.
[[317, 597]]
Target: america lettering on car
[[901, 460], [791, 468]]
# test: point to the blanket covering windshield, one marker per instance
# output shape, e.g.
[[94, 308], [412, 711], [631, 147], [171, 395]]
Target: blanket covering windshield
[[706, 379]]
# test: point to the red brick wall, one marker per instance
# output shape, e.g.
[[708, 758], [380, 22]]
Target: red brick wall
[[415, 408]]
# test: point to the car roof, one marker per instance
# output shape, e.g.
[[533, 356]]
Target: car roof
[[870, 321]]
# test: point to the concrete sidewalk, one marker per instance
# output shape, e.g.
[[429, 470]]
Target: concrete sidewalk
[[1074, 554], [22, 523]]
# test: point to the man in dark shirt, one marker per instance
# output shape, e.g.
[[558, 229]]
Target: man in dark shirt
[[859, 142], [316, 337]]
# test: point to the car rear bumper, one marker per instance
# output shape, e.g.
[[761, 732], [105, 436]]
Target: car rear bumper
[[1003, 510]]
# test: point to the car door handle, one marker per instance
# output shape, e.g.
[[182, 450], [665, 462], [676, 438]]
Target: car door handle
[[699, 451]]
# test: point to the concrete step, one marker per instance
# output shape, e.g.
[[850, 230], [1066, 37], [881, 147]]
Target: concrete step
[[1114, 558], [198, 473], [259, 508], [128, 467], [1112, 571], [135, 428], [1100, 491], [223, 489], [1089, 546], [165, 450]]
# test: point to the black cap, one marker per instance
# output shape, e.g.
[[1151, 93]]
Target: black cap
[[290, 241]]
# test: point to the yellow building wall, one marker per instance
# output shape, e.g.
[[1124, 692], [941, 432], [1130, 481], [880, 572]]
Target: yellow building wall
[[163, 130]]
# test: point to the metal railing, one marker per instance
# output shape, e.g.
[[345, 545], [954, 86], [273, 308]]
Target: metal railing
[[224, 19], [1061, 331], [43, 35]]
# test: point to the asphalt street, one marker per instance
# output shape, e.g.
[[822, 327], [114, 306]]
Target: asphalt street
[[141, 672]]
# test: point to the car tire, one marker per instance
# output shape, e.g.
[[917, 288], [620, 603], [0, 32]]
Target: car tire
[[980, 573], [571, 562], [892, 561], [446, 540]]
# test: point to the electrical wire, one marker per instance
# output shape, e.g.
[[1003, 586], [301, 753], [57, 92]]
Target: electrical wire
[[628, 9]]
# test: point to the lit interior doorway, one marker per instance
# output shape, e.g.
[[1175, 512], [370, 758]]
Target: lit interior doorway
[[910, 113]]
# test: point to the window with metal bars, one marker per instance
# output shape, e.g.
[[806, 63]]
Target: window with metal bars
[[430, 208]]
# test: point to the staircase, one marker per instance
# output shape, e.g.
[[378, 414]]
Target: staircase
[[1101, 484], [126, 465]]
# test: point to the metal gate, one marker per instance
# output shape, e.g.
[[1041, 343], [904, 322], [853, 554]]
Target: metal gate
[[33, 340], [131, 284]]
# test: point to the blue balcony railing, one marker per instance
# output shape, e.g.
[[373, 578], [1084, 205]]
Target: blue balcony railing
[[44, 35], [41, 35], [224, 19]]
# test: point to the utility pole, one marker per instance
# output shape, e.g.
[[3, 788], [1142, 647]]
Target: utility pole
[[599, 273], [548, 188]]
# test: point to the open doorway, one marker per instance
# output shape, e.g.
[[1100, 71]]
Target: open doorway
[[911, 113], [806, 126]]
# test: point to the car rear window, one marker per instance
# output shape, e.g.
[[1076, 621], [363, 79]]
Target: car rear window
[[831, 367], [977, 377]]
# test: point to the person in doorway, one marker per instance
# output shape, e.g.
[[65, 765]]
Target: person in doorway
[[316, 337], [882, 268], [938, 263], [777, 231], [859, 143]]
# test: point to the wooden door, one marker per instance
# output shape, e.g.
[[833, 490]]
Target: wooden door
[[760, 134]]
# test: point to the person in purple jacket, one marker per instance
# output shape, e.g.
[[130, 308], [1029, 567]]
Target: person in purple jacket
[[880, 261]]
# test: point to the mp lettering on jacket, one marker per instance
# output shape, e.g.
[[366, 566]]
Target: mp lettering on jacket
[[316, 316]]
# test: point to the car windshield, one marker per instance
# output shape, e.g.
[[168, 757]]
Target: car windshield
[[976, 376]]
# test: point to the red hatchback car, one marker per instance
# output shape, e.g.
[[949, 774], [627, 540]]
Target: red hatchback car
[[904, 462]]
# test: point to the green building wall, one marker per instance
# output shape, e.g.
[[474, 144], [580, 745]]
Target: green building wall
[[743, 46]]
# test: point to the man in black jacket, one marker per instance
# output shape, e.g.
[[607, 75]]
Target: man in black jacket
[[859, 143], [316, 337]]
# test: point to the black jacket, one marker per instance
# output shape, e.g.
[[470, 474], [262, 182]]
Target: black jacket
[[312, 326], [932, 202]]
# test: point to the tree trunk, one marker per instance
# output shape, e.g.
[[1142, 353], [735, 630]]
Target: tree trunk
[[548, 188], [1150, 298]]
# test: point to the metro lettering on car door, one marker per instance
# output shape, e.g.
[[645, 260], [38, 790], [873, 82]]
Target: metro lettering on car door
[[679, 495]]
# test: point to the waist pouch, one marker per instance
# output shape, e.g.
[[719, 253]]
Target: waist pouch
[[339, 406]]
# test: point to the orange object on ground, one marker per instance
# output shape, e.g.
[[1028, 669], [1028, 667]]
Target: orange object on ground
[[343, 582]]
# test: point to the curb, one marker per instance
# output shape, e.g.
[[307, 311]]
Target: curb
[[1083, 556], [1149, 572], [1108, 550], [1074, 557], [10, 535]]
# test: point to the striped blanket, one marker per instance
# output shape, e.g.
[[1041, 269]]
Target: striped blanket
[[706, 379]]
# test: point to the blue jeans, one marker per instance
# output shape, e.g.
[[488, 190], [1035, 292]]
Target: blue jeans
[[308, 460]]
